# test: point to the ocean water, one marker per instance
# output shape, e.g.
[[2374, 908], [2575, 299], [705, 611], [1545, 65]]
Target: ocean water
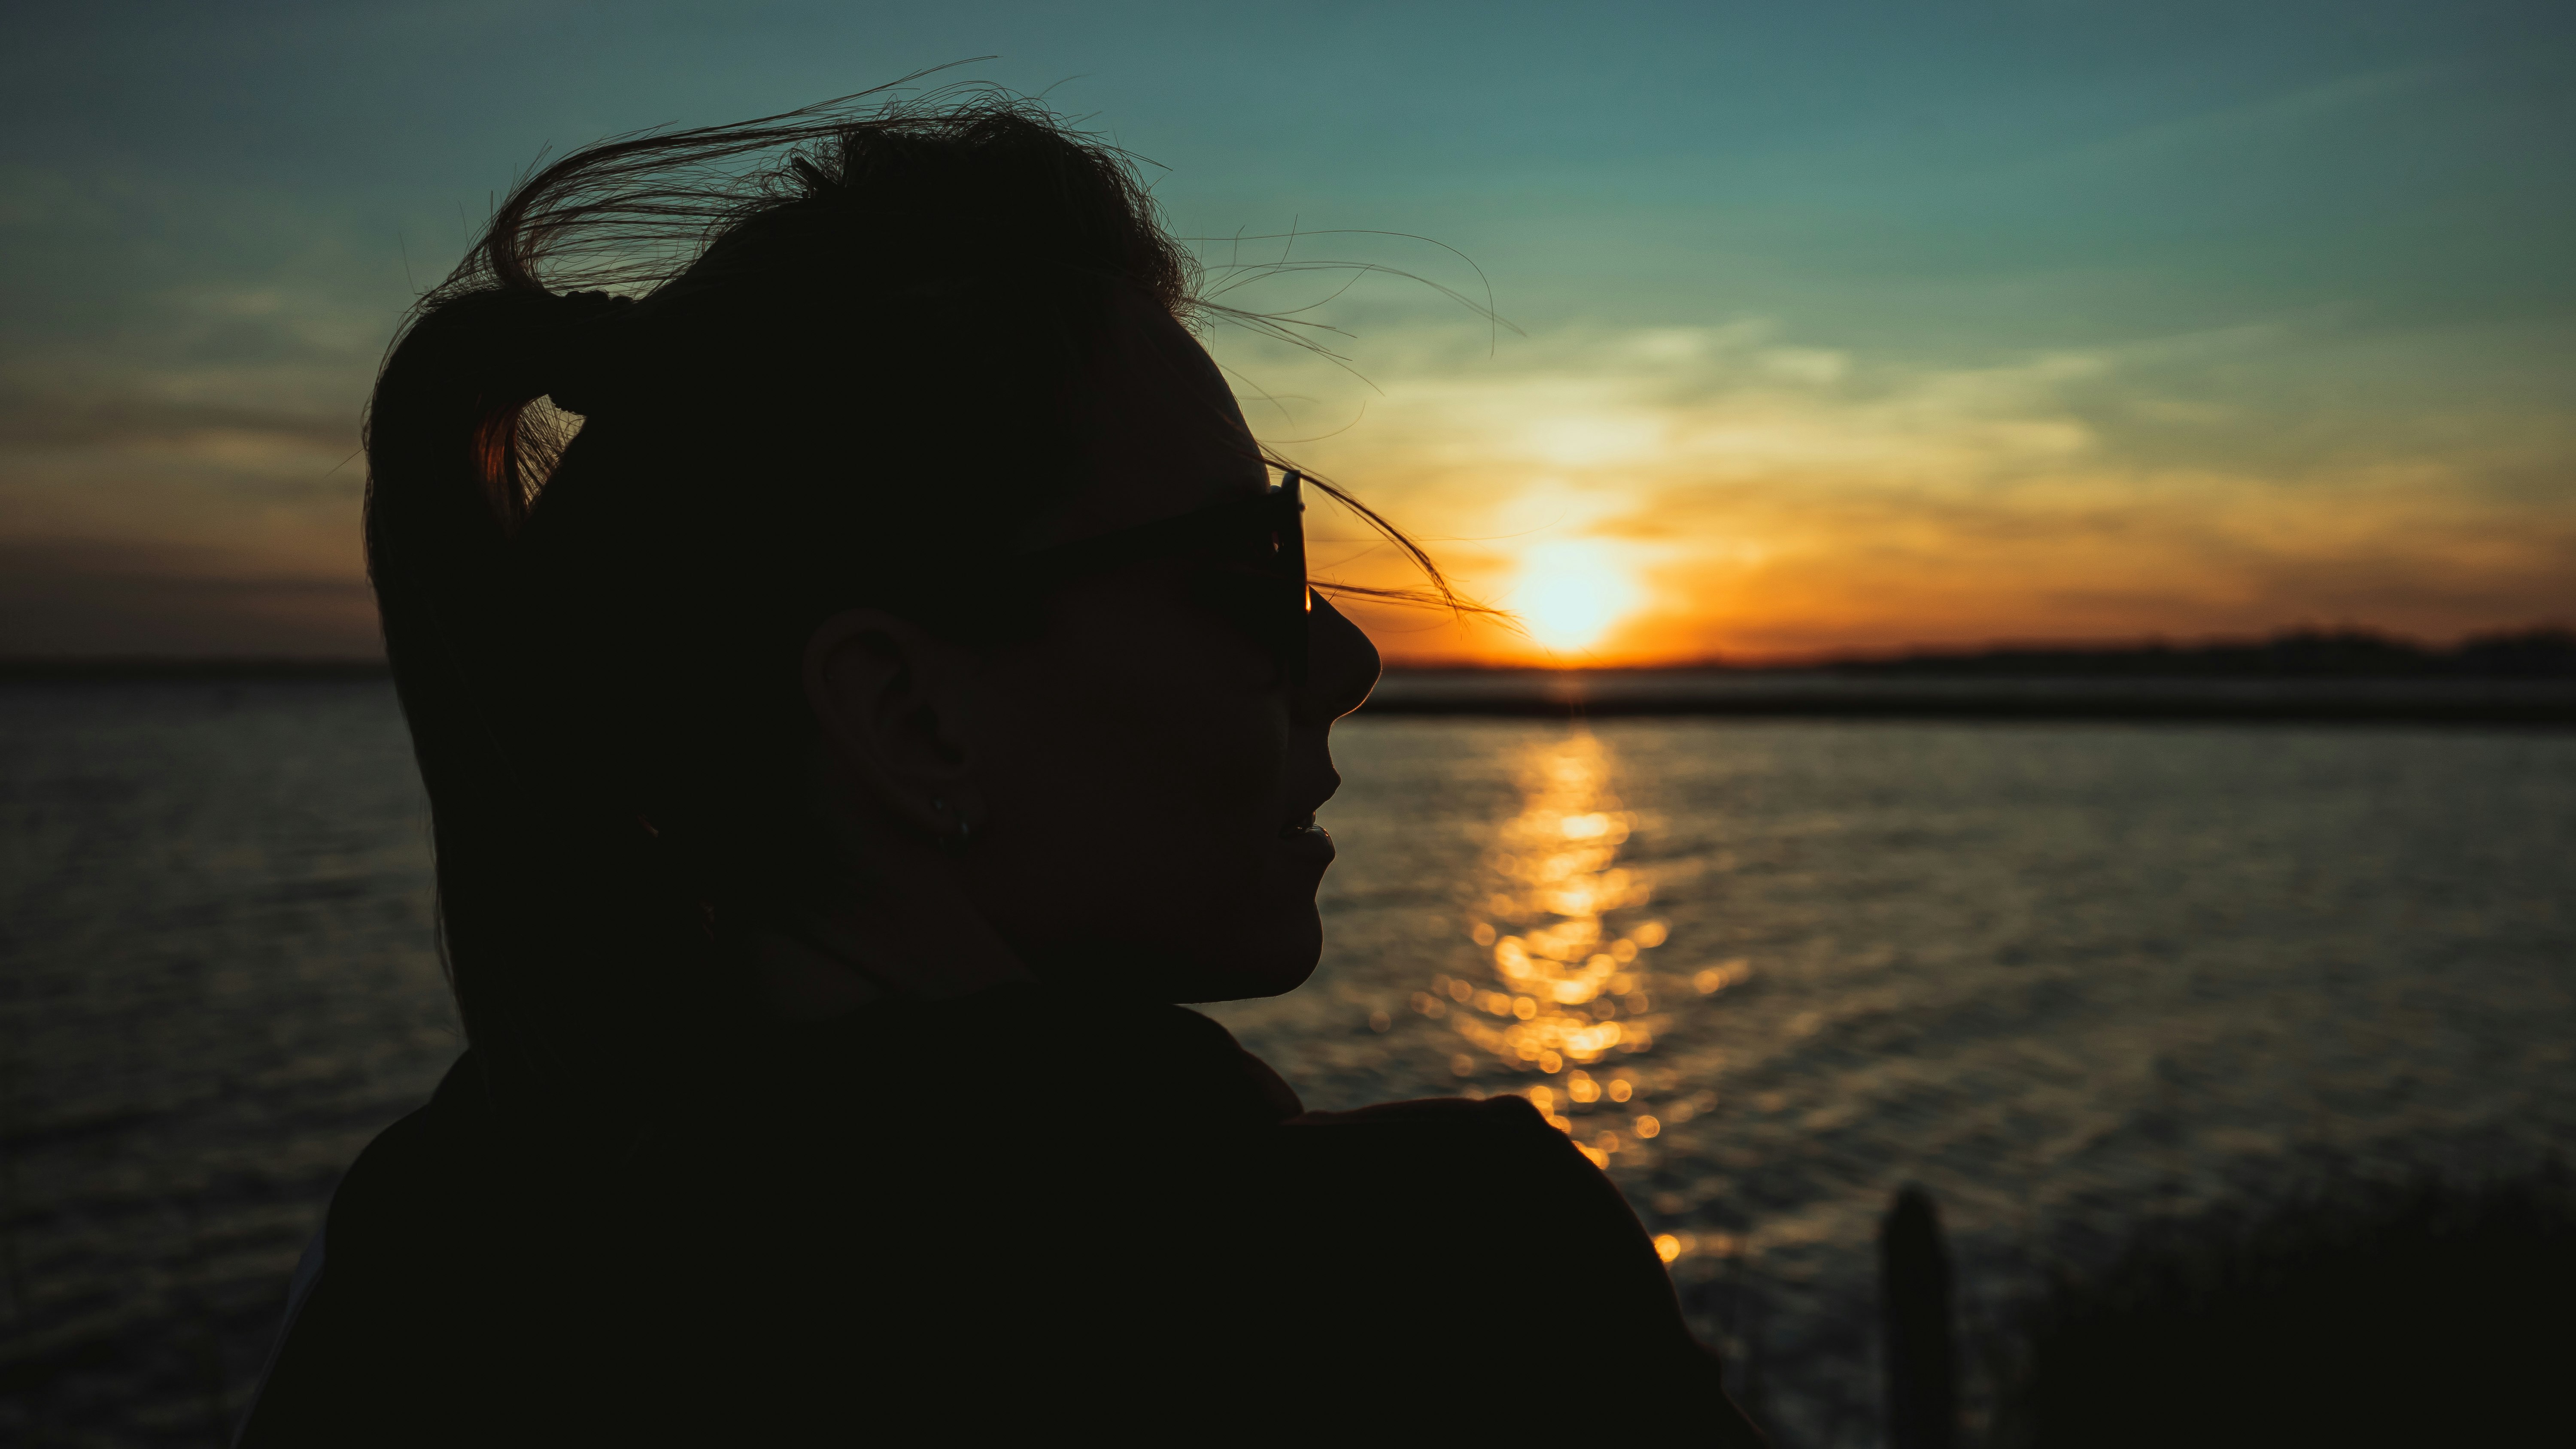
[[2069, 978]]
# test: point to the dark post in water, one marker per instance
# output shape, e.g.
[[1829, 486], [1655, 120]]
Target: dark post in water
[[1914, 1305]]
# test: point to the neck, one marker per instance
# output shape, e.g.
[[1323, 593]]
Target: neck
[[908, 940]]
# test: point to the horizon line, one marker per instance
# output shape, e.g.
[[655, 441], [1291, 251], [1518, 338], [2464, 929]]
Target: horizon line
[[68, 666]]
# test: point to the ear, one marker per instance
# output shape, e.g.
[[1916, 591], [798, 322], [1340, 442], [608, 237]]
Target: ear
[[890, 701]]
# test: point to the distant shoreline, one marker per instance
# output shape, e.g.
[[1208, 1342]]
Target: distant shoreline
[[149, 669], [1915, 691], [1816, 694]]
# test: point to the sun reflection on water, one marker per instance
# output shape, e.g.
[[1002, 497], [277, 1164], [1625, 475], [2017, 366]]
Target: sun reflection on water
[[1563, 988]]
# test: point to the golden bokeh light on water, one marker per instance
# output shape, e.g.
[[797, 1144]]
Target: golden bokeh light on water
[[1565, 988]]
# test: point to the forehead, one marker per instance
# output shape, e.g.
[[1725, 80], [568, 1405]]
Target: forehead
[[1152, 375], [1159, 432]]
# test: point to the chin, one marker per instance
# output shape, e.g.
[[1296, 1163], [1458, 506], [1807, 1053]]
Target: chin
[[1271, 959], [1245, 985], [1284, 960]]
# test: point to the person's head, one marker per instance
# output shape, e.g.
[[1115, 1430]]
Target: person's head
[[858, 595]]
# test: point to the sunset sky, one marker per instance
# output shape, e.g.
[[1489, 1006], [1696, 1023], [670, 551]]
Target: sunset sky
[[1834, 327]]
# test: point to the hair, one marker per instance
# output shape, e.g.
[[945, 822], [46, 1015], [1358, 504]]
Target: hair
[[816, 356]]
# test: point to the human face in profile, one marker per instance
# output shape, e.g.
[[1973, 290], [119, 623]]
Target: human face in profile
[[1154, 762], [1122, 799]]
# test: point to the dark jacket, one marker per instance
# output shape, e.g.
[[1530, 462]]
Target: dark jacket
[[1064, 1218]]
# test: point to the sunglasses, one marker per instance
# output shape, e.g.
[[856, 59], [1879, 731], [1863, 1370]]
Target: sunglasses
[[1256, 548]]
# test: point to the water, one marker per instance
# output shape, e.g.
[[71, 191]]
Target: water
[[2067, 977], [218, 984]]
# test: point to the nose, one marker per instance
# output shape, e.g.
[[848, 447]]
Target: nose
[[1342, 665]]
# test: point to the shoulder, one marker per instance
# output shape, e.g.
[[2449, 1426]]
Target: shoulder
[[1496, 1135], [1448, 1217], [380, 1318], [399, 1186], [405, 1195], [1474, 1177], [1506, 1114]]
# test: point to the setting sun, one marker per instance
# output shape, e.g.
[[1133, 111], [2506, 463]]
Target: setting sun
[[1572, 593]]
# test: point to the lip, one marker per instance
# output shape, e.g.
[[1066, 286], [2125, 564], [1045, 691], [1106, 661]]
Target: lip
[[1305, 819], [1307, 840]]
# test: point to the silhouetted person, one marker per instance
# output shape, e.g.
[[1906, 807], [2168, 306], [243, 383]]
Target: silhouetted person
[[1915, 1321], [843, 753]]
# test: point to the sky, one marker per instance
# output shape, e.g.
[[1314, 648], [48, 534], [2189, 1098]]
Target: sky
[[1832, 328]]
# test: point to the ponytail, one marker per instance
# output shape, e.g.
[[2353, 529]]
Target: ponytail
[[539, 897]]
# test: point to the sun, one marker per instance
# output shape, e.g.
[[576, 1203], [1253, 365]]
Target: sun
[[1572, 593]]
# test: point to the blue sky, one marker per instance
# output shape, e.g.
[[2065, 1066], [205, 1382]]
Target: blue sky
[[1869, 324]]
